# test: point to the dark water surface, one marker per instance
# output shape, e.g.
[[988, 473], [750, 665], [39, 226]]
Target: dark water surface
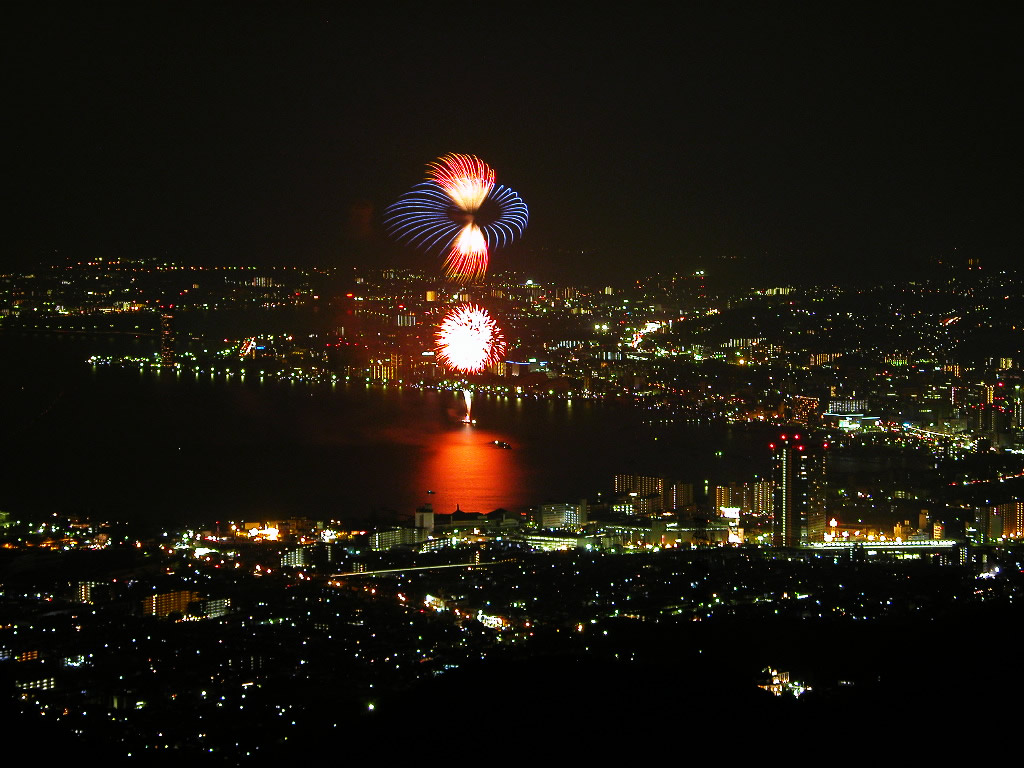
[[167, 448]]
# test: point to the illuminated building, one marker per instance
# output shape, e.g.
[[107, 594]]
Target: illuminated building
[[163, 605], [295, 557], [804, 409], [425, 519], [704, 533], [214, 609], [735, 496], [639, 484], [989, 419], [85, 591], [789, 474], [639, 494], [744, 344], [677, 496], [385, 369], [561, 515], [166, 339], [385, 538], [763, 497], [1013, 519], [961, 397], [823, 357], [645, 505], [778, 683], [848, 405], [902, 531], [817, 499], [550, 542], [725, 494], [987, 527], [799, 512], [880, 547], [41, 684]]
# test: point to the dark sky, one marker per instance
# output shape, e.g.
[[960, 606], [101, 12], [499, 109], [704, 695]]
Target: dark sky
[[789, 135]]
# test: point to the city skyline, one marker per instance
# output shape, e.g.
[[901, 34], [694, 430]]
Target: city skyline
[[263, 507]]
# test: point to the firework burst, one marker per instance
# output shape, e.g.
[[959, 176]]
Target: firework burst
[[460, 211], [469, 340], [467, 180]]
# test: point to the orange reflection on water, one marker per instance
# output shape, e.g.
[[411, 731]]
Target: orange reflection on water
[[465, 468]]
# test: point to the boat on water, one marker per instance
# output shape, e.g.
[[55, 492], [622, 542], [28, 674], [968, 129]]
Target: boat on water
[[500, 444]]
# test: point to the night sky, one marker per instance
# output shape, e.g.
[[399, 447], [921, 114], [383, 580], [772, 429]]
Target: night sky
[[794, 138]]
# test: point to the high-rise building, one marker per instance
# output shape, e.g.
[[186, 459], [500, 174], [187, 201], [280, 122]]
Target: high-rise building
[[989, 419], [799, 512], [1017, 408], [425, 520], [848, 405], [1013, 519], [818, 512], [385, 368], [383, 539], [987, 526], [639, 484], [725, 495], [166, 339], [763, 497], [295, 557], [639, 494], [560, 516], [166, 603], [86, 591], [788, 472], [677, 496]]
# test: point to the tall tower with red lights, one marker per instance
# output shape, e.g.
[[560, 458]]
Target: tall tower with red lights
[[798, 474]]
